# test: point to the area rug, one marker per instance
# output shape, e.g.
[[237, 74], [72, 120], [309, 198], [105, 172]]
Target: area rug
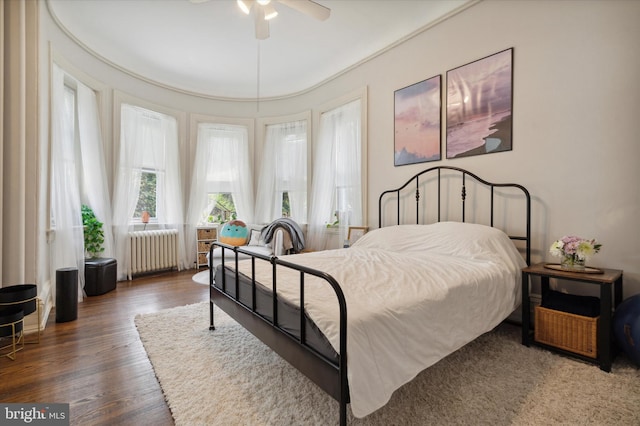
[[228, 377], [201, 277]]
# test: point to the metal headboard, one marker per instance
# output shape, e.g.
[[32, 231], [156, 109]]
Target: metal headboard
[[463, 194]]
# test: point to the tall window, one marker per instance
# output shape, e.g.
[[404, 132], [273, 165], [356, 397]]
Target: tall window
[[282, 187], [65, 166], [221, 185], [222, 180], [78, 171], [147, 137], [337, 189], [67, 248], [148, 176]]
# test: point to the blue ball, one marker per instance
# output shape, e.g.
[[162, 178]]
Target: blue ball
[[626, 327]]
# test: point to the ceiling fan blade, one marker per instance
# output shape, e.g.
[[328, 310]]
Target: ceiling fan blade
[[308, 7], [262, 25], [245, 5]]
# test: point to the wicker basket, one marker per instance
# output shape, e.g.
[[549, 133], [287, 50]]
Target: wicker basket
[[207, 233], [574, 333], [204, 246]]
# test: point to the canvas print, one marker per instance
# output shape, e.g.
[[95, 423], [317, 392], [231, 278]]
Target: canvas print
[[479, 106], [417, 122], [355, 232]]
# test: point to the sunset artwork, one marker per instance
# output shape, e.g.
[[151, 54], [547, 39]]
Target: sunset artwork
[[479, 106], [417, 122]]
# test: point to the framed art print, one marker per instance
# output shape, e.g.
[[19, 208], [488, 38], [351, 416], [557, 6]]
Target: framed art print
[[417, 111], [355, 232], [479, 106]]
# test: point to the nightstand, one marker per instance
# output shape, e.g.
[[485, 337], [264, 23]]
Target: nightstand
[[609, 281], [204, 237]]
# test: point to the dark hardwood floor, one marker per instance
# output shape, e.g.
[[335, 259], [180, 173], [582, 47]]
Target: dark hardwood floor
[[97, 363]]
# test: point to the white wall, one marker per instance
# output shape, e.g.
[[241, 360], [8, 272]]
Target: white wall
[[576, 100]]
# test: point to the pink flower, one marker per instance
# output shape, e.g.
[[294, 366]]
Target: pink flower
[[573, 246]]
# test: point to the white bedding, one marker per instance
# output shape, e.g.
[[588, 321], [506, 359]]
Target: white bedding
[[415, 293]]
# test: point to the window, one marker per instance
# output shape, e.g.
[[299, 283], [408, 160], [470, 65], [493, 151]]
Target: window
[[149, 151], [147, 178], [286, 205], [283, 180], [220, 208], [67, 248], [77, 169], [147, 199], [67, 141], [338, 181], [221, 187]]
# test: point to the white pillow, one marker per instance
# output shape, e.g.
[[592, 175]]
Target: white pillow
[[256, 239]]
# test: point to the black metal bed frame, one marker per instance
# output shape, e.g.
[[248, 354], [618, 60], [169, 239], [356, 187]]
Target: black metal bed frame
[[463, 197], [327, 374]]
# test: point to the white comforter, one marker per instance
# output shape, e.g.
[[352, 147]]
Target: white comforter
[[415, 293]]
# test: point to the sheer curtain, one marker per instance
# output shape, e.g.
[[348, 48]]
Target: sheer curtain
[[170, 211], [337, 176], [148, 140], [284, 169], [67, 248], [94, 190], [222, 165]]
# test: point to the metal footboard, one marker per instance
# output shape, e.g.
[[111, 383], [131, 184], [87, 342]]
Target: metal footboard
[[329, 375]]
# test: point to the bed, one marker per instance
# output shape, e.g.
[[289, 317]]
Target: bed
[[401, 298]]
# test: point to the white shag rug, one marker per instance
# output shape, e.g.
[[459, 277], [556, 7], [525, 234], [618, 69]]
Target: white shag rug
[[228, 377], [201, 277]]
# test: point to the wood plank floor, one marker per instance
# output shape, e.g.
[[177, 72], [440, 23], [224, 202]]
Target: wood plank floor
[[97, 363]]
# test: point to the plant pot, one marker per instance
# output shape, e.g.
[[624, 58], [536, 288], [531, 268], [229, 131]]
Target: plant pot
[[22, 296]]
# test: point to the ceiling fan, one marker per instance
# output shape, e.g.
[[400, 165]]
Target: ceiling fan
[[265, 11]]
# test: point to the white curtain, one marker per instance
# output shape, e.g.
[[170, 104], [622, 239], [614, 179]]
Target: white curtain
[[284, 169], [337, 176], [222, 165], [148, 140], [68, 244], [94, 190]]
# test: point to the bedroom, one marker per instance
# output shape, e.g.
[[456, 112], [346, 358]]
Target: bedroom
[[576, 98]]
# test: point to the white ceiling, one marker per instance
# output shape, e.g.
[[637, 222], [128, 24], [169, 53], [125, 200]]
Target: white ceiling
[[210, 48]]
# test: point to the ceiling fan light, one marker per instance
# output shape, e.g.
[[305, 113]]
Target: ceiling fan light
[[245, 5], [264, 2], [270, 12]]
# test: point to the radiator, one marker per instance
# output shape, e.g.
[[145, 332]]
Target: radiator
[[151, 251]]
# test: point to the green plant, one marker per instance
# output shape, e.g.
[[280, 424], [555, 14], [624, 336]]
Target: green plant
[[335, 222], [93, 232]]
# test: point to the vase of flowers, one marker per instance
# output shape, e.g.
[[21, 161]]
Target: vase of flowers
[[574, 251]]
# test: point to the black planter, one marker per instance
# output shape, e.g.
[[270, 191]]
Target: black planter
[[11, 325], [22, 296], [8, 317]]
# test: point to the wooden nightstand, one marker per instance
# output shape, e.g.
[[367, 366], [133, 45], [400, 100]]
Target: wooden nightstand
[[609, 281]]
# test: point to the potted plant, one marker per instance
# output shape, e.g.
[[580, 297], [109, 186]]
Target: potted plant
[[93, 233]]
